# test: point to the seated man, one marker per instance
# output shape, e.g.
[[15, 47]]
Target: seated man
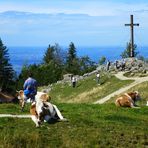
[[30, 89]]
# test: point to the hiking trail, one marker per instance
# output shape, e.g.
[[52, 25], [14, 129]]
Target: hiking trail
[[119, 75]]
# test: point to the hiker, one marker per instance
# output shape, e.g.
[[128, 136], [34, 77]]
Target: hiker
[[117, 64], [30, 88], [107, 65], [123, 64], [73, 80], [98, 78]]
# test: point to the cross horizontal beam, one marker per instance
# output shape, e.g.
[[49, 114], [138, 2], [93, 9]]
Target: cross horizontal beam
[[131, 24]]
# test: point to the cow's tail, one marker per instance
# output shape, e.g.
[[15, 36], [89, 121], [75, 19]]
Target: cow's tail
[[117, 102]]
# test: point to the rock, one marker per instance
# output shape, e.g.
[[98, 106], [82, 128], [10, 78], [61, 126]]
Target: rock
[[132, 65], [85, 75], [67, 77]]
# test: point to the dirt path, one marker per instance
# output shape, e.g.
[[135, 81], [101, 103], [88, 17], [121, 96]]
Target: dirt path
[[120, 76], [15, 116]]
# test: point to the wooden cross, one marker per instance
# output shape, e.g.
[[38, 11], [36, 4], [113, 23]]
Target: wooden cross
[[132, 54]]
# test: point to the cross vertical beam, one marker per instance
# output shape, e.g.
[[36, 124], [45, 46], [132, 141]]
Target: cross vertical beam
[[132, 54]]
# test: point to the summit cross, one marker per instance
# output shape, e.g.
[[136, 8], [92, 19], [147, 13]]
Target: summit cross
[[132, 54]]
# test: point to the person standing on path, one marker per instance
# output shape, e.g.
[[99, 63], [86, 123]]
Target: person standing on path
[[73, 80], [98, 78], [108, 65]]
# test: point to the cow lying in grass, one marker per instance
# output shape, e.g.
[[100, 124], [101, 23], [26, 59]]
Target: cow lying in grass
[[45, 111], [128, 100], [41, 110], [7, 98]]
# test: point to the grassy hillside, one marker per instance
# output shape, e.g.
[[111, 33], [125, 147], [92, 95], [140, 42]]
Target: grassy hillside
[[88, 126], [87, 90]]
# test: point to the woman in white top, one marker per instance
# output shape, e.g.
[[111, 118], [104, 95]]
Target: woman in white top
[[73, 81]]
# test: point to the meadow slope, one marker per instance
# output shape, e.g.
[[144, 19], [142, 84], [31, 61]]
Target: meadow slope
[[89, 125]]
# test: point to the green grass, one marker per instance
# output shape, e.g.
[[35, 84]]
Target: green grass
[[89, 126], [8, 108], [87, 91]]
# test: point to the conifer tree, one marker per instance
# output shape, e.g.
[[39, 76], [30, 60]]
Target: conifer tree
[[54, 54], [126, 53], [72, 64], [6, 70], [49, 55]]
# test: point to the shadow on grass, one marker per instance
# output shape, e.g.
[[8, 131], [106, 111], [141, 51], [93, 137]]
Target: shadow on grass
[[52, 121]]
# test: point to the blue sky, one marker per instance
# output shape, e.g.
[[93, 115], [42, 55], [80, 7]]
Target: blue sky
[[84, 22]]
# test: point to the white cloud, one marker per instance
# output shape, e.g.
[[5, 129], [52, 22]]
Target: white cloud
[[93, 8], [104, 23]]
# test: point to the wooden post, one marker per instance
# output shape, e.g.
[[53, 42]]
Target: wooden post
[[132, 54]]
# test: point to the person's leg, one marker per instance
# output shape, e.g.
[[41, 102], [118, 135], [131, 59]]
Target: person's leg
[[98, 81], [107, 68], [32, 97], [73, 85]]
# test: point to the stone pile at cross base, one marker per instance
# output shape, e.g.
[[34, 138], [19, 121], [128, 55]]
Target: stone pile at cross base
[[133, 66]]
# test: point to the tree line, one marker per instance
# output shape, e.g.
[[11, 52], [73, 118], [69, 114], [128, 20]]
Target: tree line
[[55, 63]]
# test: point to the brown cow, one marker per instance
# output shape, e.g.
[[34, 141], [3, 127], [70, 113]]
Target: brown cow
[[5, 98], [128, 99]]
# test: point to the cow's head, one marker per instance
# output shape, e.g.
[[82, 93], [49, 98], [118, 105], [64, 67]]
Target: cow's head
[[20, 96], [45, 97], [137, 96], [134, 96]]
